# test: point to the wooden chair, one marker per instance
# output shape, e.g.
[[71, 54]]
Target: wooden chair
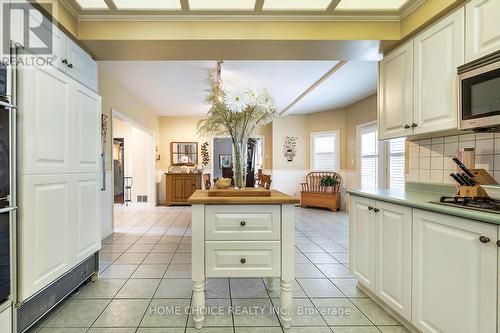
[[264, 181], [207, 181], [315, 195]]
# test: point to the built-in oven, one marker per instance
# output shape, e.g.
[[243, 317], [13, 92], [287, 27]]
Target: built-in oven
[[479, 94], [7, 119]]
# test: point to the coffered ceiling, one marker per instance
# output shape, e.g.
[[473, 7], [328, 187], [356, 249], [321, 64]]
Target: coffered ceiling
[[329, 9]]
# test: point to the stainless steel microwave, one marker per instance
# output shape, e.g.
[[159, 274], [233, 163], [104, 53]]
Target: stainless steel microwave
[[479, 94]]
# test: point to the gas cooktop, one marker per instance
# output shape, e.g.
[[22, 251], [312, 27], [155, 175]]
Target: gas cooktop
[[480, 204]]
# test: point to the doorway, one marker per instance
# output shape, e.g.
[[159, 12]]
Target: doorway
[[222, 150], [133, 163]]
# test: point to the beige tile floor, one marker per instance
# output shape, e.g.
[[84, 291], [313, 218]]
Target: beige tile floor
[[146, 267]]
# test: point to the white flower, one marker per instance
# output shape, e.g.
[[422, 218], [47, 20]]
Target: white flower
[[253, 97], [236, 101], [266, 100]]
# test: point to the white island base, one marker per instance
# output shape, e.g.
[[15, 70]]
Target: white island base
[[243, 237]]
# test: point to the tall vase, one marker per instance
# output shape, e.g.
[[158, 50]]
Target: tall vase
[[240, 162]]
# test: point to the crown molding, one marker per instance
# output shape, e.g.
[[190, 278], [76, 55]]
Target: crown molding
[[405, 11], [237, 18]]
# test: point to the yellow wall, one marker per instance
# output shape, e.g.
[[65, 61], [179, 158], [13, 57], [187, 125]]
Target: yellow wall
[[345, 120], [359, 113], [115, 97], [328, 121]]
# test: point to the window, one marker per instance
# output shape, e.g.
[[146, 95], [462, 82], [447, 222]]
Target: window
[[369, 157], [325, 151], [381, 163], [397, 163]]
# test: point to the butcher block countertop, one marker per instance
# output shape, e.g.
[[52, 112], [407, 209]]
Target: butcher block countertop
[[201, 197]]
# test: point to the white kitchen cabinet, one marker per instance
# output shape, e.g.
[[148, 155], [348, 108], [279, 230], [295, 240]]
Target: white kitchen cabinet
[[61, 123], [6, 320], [393, 256], [86, 226], [60, 225], [395, 114], [46, 242], [454, 274], [438, 51], [46, 120], [482, 28], [87, 107], [362, 241], [80, 65]]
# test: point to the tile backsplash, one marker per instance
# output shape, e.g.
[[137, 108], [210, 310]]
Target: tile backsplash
[[430, 160]]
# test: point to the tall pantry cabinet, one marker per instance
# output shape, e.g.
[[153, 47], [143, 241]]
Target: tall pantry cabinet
[[59, 176]]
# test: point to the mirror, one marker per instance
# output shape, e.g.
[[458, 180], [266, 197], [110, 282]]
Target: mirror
[[184, 153]]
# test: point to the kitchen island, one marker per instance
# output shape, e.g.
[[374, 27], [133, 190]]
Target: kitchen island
[[234, 237]]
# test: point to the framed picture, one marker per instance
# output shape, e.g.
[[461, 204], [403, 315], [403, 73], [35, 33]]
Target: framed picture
[[225, 161]]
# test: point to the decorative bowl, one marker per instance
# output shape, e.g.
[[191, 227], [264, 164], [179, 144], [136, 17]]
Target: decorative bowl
[[223, 183]]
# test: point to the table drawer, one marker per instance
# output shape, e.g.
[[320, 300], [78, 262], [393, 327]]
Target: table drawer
[[243, 222], [242, 259]]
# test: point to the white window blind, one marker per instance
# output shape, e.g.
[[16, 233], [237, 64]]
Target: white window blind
[[381, 163], [325, 151], [397, 163], [369, 157]]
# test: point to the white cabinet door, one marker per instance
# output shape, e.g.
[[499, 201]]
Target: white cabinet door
[[439, 50], [362, 240], [393, 256], [81, 66], [482, 28], [6, 320], [87, 227], [87, 129], [395, 110], [454, 274], [47, 121], [46, 235]]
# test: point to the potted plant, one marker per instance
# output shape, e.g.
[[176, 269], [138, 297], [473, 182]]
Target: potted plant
[[329, 183]]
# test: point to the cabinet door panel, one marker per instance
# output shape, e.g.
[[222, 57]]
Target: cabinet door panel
[[188, 187], [47, 120], [88, 127], [454, 274], [83, 67], [88, 216], [396, 93], [46, 237], [362, 241], [178, 189], [439, 50], [482, 28], [394, 223]]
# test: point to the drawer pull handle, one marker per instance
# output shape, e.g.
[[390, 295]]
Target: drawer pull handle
[[376, 210], [243, 260], [370, 208], [484, 239], [243, 223]]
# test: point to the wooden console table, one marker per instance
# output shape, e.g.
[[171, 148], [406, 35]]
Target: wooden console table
[[243, 237]]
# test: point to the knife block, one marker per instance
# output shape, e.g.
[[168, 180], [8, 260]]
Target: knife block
[[481, 177]]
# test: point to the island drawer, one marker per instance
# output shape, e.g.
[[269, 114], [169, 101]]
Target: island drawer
[[242, 259], [243, 222]]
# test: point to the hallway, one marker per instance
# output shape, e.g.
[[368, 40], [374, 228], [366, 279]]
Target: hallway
[[145, 273]]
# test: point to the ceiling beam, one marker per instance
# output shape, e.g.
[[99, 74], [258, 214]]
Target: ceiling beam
[[331, 7], [185, 5], [110, 4], [314, 86], [259, 4]]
